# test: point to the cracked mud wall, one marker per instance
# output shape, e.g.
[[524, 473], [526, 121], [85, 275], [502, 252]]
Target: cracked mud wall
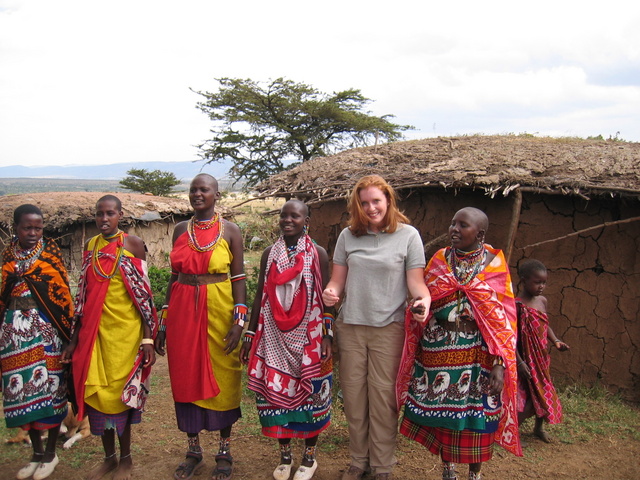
[[593, 289]]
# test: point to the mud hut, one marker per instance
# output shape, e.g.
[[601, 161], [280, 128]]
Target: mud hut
[[574, 204], [69, 218]]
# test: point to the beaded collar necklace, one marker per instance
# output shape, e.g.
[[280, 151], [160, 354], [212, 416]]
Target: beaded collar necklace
[[95, 257], [466, 265], [24, 257], [194, 225]]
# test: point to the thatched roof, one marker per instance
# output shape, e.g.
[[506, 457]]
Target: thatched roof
[[492, 163], [62, 209]]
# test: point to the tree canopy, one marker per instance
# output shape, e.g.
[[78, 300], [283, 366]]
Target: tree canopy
[[157, 182], [266, 127]]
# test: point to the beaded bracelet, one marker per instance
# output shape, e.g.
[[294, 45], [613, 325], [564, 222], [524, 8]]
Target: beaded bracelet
[[498, 361], [162, 317], [240, 314], [248, 336], [237, 278], [327, 325]]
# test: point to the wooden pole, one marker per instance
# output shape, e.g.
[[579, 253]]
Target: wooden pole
[[584, 230], [515, 221]]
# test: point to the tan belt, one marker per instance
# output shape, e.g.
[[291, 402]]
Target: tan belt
[[22, 303], [204, 279], [465, 326]]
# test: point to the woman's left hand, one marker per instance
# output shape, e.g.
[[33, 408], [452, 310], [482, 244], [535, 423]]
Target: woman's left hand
[[149, 355], [496, 380], [232, 339]]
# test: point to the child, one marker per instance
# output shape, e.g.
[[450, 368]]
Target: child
[[289, 338], [35, 318], [114, 327], [536, 393]]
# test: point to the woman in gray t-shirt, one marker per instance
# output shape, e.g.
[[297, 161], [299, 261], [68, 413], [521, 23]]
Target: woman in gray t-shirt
[[378, 260]]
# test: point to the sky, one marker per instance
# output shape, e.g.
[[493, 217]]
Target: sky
[[88, 82]]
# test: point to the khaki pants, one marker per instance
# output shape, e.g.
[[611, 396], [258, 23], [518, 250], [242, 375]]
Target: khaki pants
[[369, 361]]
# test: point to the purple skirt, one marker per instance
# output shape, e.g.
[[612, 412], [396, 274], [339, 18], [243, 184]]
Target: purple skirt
[[193, 419], [99, 422]]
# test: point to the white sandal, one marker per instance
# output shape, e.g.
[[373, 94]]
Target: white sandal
[[282, 471], [46, 469], [305, 473], [27, 471]]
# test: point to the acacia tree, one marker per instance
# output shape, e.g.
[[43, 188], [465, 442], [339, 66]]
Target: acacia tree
[[158, 182], [265, 128]]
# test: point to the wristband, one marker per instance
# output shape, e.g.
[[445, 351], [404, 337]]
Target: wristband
[[240, 314], [498, 361], [248, 336], [147, 341]]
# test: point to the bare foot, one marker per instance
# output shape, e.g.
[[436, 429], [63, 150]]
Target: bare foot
[[542, 435], [105, 467], [125, 469]]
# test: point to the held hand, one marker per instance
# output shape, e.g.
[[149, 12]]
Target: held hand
[[232, 339], [420, 309], [496, 380], [327, 348], [523, 370], [329, 297], [560, 345], [67, 353], [245, 350], [149, 356], [160, 342]]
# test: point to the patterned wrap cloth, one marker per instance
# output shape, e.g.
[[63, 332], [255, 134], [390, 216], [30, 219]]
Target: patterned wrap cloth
[[489, 295], [533, 326], [113, 363], [291, 381], [33, 379]]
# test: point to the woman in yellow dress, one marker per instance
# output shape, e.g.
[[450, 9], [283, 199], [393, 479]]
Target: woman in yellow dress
[[113, 330]]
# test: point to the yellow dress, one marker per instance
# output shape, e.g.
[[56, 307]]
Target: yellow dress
[[119, 336], [227, 368]]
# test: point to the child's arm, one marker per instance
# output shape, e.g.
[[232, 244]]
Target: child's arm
[[559, 344]]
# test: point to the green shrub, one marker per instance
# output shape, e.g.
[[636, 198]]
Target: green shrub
[[159, 279]]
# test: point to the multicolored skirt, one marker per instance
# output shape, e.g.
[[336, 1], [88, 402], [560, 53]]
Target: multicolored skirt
[[305, 421], [448, 408], [33, 379]]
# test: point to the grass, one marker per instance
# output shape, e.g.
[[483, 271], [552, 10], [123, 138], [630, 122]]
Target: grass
[[593, 411]]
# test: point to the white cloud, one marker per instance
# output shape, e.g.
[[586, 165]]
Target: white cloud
[[98, 82]]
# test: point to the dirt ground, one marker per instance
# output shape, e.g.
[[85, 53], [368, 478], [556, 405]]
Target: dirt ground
[[159, 447]]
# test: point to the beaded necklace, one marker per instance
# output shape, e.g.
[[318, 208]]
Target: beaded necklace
[[95, 257], [465, 266], [25, 257], [194, 225]]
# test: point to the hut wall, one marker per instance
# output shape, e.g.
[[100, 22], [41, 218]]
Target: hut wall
[[594, 278]]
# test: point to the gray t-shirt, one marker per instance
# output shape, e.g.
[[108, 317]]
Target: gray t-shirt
[[376, 287]]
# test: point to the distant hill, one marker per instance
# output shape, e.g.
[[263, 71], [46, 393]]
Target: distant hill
[[100, 178], [184, 171]]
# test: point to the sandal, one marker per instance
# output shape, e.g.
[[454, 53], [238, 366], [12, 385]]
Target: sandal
[[188, 468], [227, 472]]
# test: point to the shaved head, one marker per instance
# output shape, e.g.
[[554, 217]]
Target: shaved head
[[300, 205], [478, 216], [208, 178]]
